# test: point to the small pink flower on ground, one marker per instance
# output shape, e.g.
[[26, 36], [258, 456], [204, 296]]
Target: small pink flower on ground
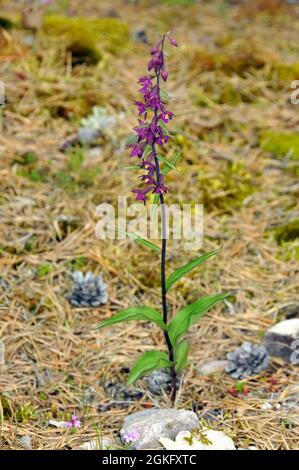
[[74, 422], [132, 436]]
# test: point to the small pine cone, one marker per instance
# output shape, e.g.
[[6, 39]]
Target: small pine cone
[[247, 360], [159, 380], [88, 291]]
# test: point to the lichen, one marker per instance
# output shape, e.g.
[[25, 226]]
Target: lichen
[[87, 38], [280, 144]]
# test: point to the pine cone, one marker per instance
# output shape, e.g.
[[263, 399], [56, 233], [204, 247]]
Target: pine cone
[[250, 359], [88, 291], [159, 380]]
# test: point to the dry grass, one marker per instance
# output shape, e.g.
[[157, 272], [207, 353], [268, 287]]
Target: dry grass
[[40, 330]]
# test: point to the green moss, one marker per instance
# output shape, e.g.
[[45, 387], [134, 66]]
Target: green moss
[[230, 60], [44, 269], [25, 413], [86, 38], [5, 23], [76, 173], [228, 189], [7, 410], [288, 71], [281, 144], [287, 232], [35, 175]]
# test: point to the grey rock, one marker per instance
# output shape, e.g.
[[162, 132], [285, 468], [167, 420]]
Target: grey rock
[[152, 424], [281, 340], [247, 360], [211, 367], [88, 291], [289, 311], [121, 392]]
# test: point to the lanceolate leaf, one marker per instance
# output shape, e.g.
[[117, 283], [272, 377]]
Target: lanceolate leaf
[[138, 239], [147, 363], [164, 127], [191, 314], [181, 354], [135, 313], [166, 162], [173, 160], [188, 267], [156, 198], [132, 167]]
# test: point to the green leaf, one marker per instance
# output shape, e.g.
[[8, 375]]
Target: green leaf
[[191, 314], [131, 139], [138, 239], [188, 267], [173, 160], [147, 363], [166, 162], [132, 167], [135, 313], [156, 198], [164, 127], [164, 95], [181, 354]]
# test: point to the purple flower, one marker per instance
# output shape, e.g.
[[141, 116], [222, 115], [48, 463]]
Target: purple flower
[[132, 436], [137, 150], [172, 40], [141, 194], [141, 107], [164, 75], [166, 116], [153, 110], [74, 422]]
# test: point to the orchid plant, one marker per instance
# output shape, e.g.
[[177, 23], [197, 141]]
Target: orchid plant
[[151, 135]]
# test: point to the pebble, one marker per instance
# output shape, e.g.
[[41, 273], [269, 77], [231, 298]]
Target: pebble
[[282, 340]]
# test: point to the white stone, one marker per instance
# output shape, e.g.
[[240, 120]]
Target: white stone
[[286, 327], [218, 441], [211, 367], [103, 443], [57, 424]]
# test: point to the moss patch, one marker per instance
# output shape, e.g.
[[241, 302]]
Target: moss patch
[[288, 232], [86, 38], [281, 144], [5, 23], [288, 71], [228, 189]]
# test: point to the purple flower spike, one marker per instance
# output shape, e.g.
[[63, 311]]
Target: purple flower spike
[[151, 130]]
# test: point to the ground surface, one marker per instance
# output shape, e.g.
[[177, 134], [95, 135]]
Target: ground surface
[[229, 86]]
